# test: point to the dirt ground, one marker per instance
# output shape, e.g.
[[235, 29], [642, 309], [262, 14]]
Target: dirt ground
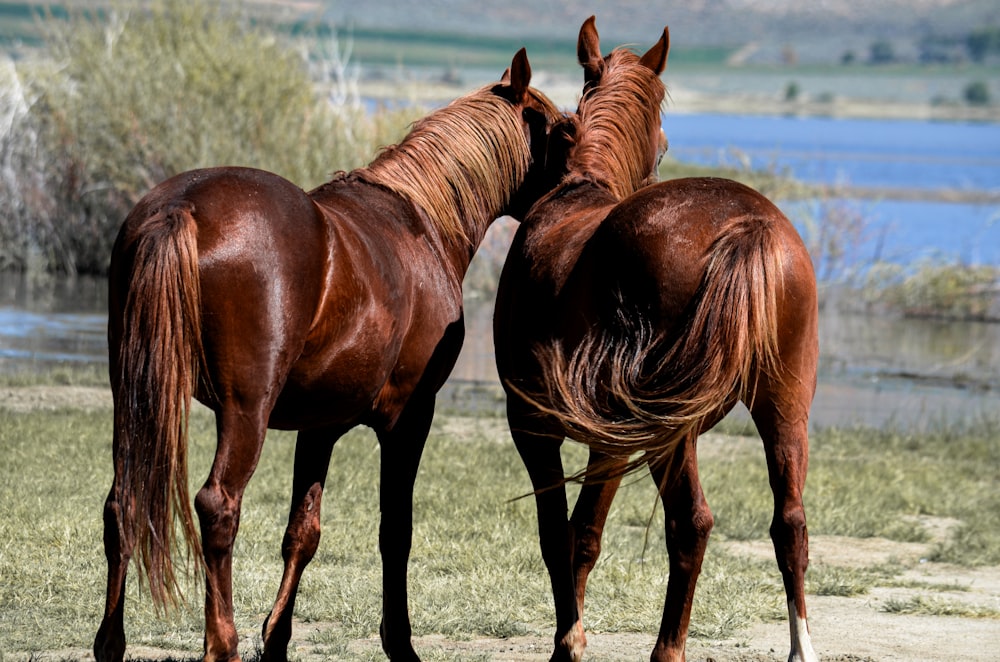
[[844, 629]]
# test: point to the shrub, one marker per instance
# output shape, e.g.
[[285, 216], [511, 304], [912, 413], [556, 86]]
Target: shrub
[[976, 93], [834, 229], [947, 291], [131, 97]]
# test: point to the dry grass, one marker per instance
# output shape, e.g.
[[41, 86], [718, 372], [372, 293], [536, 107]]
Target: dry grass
[[475, 570]]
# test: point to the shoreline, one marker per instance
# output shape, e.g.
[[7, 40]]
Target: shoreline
[[564, 91]]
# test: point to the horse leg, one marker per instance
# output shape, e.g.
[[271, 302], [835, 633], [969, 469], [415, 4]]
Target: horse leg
[[786, 445], [109, 644], [589, 516], [402, 447], [312, 460], [689, 522], [241, 436], [540, 454]]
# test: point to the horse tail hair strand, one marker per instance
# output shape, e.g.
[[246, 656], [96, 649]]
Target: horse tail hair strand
[[628, 391], [154, 375]]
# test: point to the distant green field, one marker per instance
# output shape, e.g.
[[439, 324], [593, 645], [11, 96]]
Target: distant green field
[[392, 47], [20, 26]]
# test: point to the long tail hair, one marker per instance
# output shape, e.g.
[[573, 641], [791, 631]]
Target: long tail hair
[[154, 373], [631, 392]]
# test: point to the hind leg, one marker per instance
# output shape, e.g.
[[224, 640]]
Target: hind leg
[[218, 502], [689, 522], [109, 645], [312, 460], [786, 445], [780, 409]]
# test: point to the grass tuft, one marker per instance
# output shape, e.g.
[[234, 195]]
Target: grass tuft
[[932, 606]]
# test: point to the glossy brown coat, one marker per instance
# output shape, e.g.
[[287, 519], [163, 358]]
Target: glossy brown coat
[[632, 319], [314, 312]]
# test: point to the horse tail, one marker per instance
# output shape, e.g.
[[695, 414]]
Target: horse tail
[[155, 369], [630, 391]]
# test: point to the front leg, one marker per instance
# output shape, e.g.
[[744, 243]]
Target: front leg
[[402, 447], [539, 450]]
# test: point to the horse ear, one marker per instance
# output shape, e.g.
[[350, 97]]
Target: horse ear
[[518, 75], [656, 57], [588, 51]]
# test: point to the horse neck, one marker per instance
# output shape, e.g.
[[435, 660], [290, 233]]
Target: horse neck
[[569, 213], [614, 126], [460, 166]]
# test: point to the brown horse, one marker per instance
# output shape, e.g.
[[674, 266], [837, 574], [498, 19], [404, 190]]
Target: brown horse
[[315, 312], [632, 319]]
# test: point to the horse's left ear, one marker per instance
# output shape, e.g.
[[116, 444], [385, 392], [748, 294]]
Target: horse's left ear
[[588, 51], [518, 75], [656, 57]]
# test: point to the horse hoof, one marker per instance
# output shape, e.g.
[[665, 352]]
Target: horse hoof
[[396, 651], [570, 648], [109, 649]]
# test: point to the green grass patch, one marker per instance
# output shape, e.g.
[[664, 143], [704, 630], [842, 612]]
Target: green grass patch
[[933, 606], [66, 374], [847, 582], [475, 569]]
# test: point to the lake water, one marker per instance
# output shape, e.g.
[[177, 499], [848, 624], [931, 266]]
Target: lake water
[[898, 155], [903, 154], [874, 369]]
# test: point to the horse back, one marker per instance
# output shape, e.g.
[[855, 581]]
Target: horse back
[[657, 243]]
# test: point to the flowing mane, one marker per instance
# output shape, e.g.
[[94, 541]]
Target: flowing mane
[[612, 150], [451, 162]]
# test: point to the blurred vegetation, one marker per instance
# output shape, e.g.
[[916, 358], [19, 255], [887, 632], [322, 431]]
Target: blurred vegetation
[[936, 289], [983, 42], [127, 98], [977, 93]]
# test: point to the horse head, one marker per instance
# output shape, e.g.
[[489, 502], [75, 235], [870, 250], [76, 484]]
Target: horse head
[[615, 137], [538, 116]]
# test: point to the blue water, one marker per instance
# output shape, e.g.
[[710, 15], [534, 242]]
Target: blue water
[[52, 336], [909, 232], [872, 153], [883, 154]]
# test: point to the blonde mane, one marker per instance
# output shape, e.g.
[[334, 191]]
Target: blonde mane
[[613, 139], [460, 164]]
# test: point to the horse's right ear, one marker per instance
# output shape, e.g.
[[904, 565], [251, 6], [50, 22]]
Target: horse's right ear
[[588, 51], [518, 75], [656, 57]]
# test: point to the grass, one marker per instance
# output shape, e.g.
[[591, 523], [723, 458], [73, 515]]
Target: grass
[[475, 569], [66, 374], [934, 606]]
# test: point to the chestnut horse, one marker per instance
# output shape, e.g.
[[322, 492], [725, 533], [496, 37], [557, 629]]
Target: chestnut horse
[[633, 319], [313, 312]]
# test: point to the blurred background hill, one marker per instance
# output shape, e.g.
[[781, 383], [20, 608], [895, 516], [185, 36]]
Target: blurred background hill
[[745, 31], [819, 31], [726, 55]]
